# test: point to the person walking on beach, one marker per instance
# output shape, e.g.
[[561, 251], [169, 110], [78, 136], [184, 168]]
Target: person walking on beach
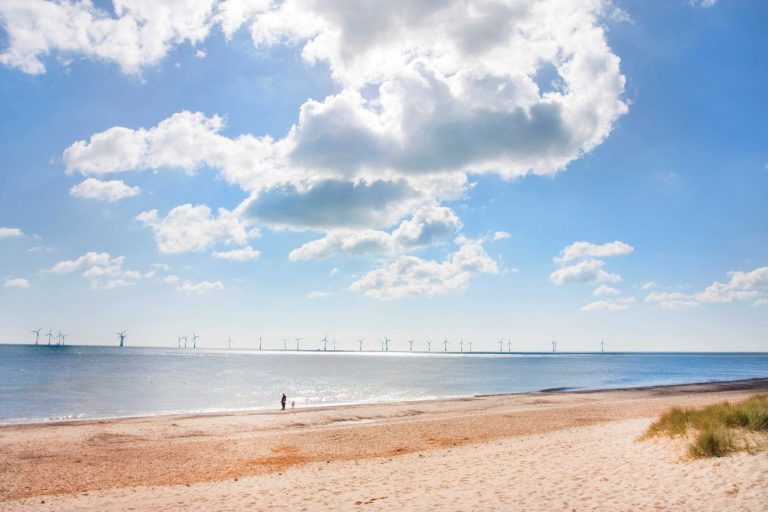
[[282, 401]]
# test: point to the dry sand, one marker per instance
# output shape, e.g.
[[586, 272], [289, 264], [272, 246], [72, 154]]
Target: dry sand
[[540, 451]]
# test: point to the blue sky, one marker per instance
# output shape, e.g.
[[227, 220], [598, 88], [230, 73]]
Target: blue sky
[[467, 170]]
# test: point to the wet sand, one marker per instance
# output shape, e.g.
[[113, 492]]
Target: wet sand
[[552, 451]]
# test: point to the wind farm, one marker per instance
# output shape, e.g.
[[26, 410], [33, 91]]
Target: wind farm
[[388, 345]]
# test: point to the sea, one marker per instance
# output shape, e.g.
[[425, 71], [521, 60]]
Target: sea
[[54, 383]]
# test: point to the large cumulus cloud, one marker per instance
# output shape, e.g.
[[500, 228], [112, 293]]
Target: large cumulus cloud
[[429, 93]]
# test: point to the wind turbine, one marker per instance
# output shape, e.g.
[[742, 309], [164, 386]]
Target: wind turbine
[[360, 341], [285, 343], [182, 338], [334, 344], [501, 345], [298, 340], [445, 345], [470, 346], [37, 334], [602, 345], [229, 342], [62, 337], [554, 345], [461, 344], [50, 335], [259, 342], [122, 337], [194, 339], [324, 339], [509, 346], [386, 344], [411, 343], [429, 346], [185, 341]]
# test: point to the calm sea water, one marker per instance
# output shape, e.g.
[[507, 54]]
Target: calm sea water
[[52, 383]]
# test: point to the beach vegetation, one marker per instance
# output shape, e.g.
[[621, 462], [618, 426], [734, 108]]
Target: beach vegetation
[[718, 429]]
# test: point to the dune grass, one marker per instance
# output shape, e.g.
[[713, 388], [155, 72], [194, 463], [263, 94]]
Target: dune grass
[[718, 429]]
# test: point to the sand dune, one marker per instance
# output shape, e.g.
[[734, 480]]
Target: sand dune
[[545, 451]]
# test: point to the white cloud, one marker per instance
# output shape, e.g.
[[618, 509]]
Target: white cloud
[[39, 248], [193, 228], [617, 304], [679, 304], [185, 140], [200, 288], [666, 296], [338, 243], [17, 282], [672, 300], [428, 92], [317, 295], [760, 302], [720, 292], [245, 254], [740, 286], [201, 54], [101, 269], [703, 3], [648, 285], [756, 279], [501, 235], [604, 290], [117, 283], [10, 232], [334, 271], [89, 259], [428, 226], [588, 271], [603, 305], [579, 250], [171, 279], [140, 33], [111, 191], [412, 276]]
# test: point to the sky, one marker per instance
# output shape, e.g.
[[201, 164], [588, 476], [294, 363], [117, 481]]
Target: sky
[[461, 169]]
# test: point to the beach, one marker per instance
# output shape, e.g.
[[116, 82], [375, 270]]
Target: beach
[[535, 451]]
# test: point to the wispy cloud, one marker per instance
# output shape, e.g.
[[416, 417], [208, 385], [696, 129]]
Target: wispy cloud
[[618, 304], [16, 282], [245, 254], [200, 288]]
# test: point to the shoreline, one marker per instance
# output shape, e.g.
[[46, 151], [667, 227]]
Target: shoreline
[[153, 456], [738, 384]]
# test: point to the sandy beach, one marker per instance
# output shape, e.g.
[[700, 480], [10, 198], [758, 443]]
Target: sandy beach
[[538, 451]]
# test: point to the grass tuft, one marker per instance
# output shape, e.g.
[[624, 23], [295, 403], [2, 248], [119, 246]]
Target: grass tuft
[[715, 430], [712, 442]]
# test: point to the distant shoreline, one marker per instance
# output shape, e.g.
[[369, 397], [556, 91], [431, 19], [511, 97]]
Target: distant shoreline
[[700, 386]]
